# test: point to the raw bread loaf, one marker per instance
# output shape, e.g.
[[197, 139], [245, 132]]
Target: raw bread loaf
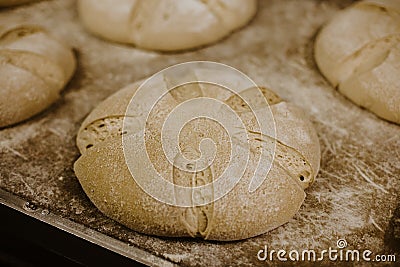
[[14, 2], [358, 51], [165, 25], [104, 175], [34, 68]]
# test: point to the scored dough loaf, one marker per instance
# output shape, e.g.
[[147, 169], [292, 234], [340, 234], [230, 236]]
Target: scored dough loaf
[[358, 51], [165, 25], [105, 177], [34, 68]]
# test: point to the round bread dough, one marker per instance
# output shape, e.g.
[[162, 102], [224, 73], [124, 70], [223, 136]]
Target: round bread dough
[[104, 175], [34, 68], [165, 25], [358, 51], [4, 3]]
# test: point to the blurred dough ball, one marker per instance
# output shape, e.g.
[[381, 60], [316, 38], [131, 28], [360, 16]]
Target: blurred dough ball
[[358, 51], [165, 25], [34, 68]]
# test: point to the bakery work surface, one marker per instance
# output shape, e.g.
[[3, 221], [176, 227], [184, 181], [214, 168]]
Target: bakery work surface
[[354, 195]]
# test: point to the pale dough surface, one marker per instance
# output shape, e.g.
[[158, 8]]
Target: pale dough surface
[[353, 196], [165, 25], [35, 67], [103, 171], [358, 51]]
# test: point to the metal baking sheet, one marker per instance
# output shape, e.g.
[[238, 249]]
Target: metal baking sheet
[[354, 194]]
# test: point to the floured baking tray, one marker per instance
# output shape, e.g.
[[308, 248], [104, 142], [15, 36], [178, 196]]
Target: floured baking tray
[[352, 198]]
